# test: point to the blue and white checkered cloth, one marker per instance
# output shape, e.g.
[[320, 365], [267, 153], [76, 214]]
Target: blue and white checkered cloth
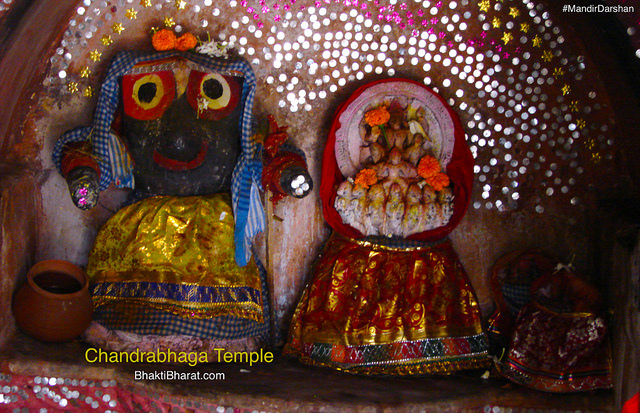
[[116, 166]]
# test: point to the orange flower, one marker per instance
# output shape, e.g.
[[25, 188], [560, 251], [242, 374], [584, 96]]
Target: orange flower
[[163, 39], [377, 117], [428, 166], [186, 42], [366, 178], [438, 181]]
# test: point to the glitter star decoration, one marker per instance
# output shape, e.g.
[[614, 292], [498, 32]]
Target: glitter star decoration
[[72, 87], [88, 92], [547, 56], [537, 41], [573, 106], [524, 27], [169, 22], [496, 23], [507, 37], [566, 89], [558, 72], [106, 40], [596, 157], [514, 12], [85, 72], [580, 123], [181, 4], [117, 28], [590, 143], [484, 5], [145, 3], [95, 55], [131, 14]]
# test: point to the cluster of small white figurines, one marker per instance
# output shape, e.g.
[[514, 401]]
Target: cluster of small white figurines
[[401, 189]]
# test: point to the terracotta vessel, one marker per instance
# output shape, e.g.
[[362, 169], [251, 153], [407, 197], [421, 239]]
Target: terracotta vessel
[[54, 305]]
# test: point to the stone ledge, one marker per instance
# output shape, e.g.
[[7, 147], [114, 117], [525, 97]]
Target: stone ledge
[[285, 385]]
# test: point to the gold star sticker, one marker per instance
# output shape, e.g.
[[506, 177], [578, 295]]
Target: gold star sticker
[[95, 55], [524, 27], [72, 87], [590, 143], [484, 5], [547, 56], [169, 22], [117, 28], [88, 92], [153, 30], [573, 106], [507, 37], [85, 71], [131, 14], [557, 72], [106, 40], [514, 12], [145, 3], [181, 4], [496, 23], [596, 157], [581, 123], [566, 89], [537, 41]]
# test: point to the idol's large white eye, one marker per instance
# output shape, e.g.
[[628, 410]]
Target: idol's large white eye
[[148, 91], [216, 91], [147, 95], [213, 95]]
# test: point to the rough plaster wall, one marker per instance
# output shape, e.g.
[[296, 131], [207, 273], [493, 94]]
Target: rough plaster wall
[[18, 206], [623, 245], [67, 232]]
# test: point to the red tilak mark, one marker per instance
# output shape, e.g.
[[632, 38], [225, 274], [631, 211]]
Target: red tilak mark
[[174, 165]]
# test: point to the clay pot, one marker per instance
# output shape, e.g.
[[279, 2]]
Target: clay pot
[[54, 305]]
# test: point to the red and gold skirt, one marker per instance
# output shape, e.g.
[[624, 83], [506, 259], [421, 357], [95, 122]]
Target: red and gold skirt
[[376, 309]]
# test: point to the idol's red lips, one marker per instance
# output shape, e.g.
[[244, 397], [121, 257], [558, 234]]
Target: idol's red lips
[[175, 165]]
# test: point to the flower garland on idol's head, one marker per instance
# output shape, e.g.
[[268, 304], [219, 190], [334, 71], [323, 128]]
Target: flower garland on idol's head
[[165, 39]]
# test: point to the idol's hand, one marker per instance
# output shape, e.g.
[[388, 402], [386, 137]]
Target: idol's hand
[[83, 187], [296, 181]]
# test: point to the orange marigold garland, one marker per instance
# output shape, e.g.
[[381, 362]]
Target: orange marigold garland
[[429, 169], [428, 166], [366, 177], [377, 117], [164, 39], [186, 42], [438, 181]]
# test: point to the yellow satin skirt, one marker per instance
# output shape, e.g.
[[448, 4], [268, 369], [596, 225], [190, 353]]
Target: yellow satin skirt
[[375, 309], [175, 256]]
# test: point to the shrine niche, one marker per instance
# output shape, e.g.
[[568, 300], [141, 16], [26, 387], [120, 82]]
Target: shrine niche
[[536, 118], [545, 117]]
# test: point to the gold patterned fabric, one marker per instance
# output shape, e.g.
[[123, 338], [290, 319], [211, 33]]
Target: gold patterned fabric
[[376, 309], [174, 254]]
